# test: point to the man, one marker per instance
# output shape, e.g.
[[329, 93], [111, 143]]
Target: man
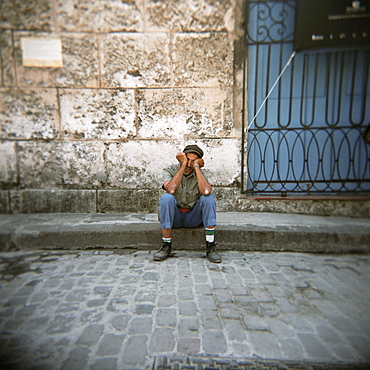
[[188, 202]]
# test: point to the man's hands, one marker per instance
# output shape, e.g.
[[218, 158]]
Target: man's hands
[[199, 161], [183, 159]]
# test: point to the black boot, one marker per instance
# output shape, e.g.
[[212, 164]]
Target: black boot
[[211, 253], [163, 252]]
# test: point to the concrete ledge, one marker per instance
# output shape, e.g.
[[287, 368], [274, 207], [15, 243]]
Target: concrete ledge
[[235, 231]]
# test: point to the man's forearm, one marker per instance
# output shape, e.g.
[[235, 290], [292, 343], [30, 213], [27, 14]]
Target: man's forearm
[[175, 182], [205, 187]]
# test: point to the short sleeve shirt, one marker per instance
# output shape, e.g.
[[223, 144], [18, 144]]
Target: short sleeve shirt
[[187, 194]]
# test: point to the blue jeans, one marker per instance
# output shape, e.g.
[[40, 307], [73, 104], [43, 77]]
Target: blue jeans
[[171, 217]]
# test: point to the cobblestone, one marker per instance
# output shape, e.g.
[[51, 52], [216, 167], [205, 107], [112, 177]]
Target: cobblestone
[[121, 310]]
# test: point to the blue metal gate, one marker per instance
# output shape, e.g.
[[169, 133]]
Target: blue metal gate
[[308, 136]]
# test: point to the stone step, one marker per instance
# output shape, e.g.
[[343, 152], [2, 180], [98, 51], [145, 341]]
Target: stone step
[[237, 231]]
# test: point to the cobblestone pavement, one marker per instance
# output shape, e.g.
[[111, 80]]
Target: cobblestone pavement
[[212, 363], [111, 310]]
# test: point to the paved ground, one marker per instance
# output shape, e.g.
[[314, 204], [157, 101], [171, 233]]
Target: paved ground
[[111, 310]]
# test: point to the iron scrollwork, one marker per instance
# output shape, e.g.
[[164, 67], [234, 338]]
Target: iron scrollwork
[[309, 136]]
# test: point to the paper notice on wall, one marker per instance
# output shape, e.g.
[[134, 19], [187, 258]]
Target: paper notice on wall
[[41, 52]]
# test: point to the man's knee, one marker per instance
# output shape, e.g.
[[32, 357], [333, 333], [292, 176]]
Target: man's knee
[[167, 199], [207, 199]]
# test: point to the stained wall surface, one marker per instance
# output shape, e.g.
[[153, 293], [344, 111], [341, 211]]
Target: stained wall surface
[[140, 79]]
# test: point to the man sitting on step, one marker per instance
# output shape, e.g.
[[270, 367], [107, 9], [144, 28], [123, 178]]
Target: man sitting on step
[[188, 202]]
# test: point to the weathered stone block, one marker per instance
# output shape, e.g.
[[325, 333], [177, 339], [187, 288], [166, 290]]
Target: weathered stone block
[[203, 59], [135, 60], [175, 113], [222, 161], [53, 164], [359, 208], [8, 163], [80, 62], [129, 200], [84, 164], [52, 200], [4, 201], [138, 164], [7, 76], [97, 114], [226, 198], [28, 114], [40, 164], [189, 15], [99, 15], [29, 15]]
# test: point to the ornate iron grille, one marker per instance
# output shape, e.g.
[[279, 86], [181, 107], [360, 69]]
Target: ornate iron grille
[[309, 135]]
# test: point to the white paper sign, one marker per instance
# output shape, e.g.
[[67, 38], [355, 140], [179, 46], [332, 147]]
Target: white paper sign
[[41, 52]]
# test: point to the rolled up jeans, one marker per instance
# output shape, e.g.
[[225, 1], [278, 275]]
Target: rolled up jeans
[[170, 216]]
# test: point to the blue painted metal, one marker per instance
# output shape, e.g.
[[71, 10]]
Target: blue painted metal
[[308, 136]]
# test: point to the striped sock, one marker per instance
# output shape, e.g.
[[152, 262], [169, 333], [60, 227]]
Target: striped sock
[[210, 235], [167, 240]]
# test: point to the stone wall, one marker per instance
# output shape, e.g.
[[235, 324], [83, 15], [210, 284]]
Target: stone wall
[[140, 79]]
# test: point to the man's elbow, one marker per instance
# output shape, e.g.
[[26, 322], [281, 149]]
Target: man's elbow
[[171, 191], [207, 191]]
